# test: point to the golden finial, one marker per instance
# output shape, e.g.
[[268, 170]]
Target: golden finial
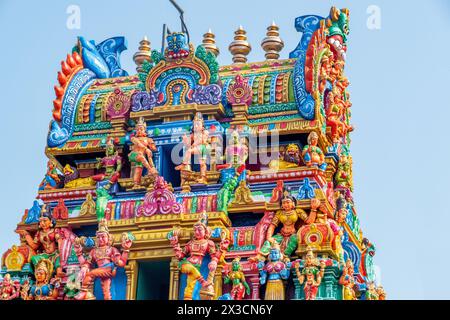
[[240, 47], [209, 43], [143, 54], [272, 43]]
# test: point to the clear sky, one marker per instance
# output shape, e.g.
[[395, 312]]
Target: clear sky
[[400, 109]]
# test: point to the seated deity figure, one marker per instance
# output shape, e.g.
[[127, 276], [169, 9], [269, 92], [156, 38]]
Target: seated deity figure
[[288, 216], [196, 144], [312, 154]]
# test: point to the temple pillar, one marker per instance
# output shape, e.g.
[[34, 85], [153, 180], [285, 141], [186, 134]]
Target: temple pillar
[[240, 112], [131, 271], [255, 285], [218, 282], [174, 279]]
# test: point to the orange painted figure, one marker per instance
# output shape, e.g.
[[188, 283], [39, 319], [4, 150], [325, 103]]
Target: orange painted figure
[[310, 275], [106, 257]]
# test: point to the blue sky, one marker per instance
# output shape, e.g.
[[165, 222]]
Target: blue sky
[[398, 76]]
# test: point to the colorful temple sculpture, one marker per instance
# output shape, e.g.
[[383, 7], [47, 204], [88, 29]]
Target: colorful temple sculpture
[[190, 180]]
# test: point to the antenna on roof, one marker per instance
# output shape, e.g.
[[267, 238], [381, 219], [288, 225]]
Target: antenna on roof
[[181, 12], [163, 38]]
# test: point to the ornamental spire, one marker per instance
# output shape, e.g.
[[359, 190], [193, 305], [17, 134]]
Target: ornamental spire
[[240, 47]]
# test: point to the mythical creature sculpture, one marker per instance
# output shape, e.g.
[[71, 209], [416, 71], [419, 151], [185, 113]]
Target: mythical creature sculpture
[[141, 155], [192, 255], [236, 277], [112, 163], [106, 258], [8, 290], [312, 154], [160, 200], [196, 144], [288, 217], [43, 289], [44, 242], [52, 179], [273, 273], [347, 280], [311, 274]]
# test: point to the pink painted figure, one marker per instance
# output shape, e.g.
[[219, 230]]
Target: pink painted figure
[[8, 289], [106, 257]]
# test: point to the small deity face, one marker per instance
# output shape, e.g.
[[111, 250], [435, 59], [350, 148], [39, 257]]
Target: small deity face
[[313, 140], [235, 266], [141, 131], [287, 204], [198, 125], [41, 275], [50, 165], [103, 239], [371, 286], [275, 254], [45, 223], [6, 279], [199, 232], [110, 149]]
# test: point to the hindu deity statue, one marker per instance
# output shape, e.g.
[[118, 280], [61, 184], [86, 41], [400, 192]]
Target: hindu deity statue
[[311, 274], [277, 192], [88, 206], [102, 261], [348, 281], [381, 293], [236, 152], [8, 290], [371, 293], [343, 177], [336, 115], [273, 273], [312, 154], [290, 158], [112, 163], [236, 277], [242, 194], [288, 216], [43, 289], [141, 155], [196, 144], [191, 257], [52, 178], [45, 241]]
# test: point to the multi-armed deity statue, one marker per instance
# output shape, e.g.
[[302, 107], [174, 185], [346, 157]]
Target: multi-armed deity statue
[[196, 144], [101, 262], [141, 155]]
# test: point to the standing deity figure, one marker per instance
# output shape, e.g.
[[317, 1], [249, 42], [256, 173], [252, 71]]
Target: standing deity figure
[[106, 257], [45, 241], [8, 290], [112, 163], [311, 275], [273, 273], [347, 280], [43, 289], [142, 152], [371, 293], [236, 277], [288, 217], [51, 179], [236, 152], [312, 154], [196, 144], [191, 257]]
